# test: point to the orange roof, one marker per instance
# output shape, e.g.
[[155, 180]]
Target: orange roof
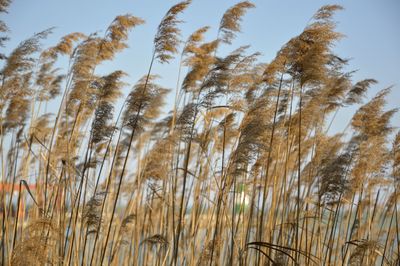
[[9, 187]]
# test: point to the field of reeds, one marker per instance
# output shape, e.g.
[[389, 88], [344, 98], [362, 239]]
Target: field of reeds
[[242, 170]]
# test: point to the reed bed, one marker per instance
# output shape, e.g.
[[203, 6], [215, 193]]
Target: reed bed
[[241, 171]]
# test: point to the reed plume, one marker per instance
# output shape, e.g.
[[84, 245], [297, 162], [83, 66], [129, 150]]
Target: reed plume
[[230, 22], [167, 37]]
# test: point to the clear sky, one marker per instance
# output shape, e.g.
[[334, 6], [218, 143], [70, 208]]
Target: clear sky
[[372, 30]]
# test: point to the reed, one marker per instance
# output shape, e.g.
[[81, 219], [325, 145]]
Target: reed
[[242, 170]]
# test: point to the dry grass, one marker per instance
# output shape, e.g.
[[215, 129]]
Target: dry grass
[[242, 171]]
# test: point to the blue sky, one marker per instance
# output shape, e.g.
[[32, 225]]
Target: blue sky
[[372, 30]]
